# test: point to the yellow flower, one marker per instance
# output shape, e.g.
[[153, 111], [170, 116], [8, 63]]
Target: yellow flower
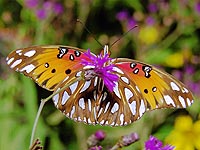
[[175, 60], [186, 134], [148, 34]]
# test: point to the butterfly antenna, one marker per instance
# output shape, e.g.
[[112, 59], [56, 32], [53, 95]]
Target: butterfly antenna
[[78, 20], [123, 35]]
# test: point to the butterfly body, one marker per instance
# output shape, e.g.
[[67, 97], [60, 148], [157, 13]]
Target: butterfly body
[[112, 92]]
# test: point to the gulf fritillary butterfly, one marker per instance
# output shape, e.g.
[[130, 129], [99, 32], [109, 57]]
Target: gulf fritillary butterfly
[[113, 91]]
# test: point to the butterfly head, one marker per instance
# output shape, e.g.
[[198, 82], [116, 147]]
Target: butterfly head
[[101, 66]]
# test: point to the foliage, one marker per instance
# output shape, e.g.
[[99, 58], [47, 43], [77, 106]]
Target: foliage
[[167, 35]]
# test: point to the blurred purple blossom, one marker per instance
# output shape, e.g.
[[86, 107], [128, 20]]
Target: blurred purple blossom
[[94, 139], [31, 3], [150, 20], [131, 23], [95, 148], [155, 144], [122, 15], [197, 7], [41, 14], [152, 7], [44, 8], [58, 8], [100, 135]]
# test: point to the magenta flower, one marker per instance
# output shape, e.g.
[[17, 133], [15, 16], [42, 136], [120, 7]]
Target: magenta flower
[[197, 7], [122, 15], [100, 135], [31, 3], [41, 14], [102, 67], [95, 148], [43, 9], [152, 7], [155, 144]]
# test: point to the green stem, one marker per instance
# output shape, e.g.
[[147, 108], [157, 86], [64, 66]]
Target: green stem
[[43, 101]]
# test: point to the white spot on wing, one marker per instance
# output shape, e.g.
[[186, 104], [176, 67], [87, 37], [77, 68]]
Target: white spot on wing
[[65, 79], [118, 70], [78, 74], [169, 100], [72, 112], [128, 93], [104, 96], [18, 51], [73, 86], [188, 102], [95, 81], [86, 86], [89, 105], [121, 118], [102, 122], [174, 86], [81, 103], [142, 108], [181, 99], [185, 90], [115, 108], [95, 94], [89, 67], [65, 97], [100, 111], [116, 90], [28, 68], [10, 60], [55, 99], [125, 79], [133, 107], [30, 53], [17, 62], [107, 105], [138, 89]]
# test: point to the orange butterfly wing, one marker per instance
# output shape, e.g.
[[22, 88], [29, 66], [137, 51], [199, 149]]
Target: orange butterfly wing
[[46, 65]]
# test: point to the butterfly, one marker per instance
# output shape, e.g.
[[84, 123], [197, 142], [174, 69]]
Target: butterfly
[[112, 91]]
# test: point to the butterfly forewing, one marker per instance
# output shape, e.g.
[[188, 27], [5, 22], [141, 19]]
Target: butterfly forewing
[[46, 65], [156, 88]]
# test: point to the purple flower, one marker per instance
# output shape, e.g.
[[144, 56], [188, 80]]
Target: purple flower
[[41, 14], [31, 3], [131, 23], [150, 20], [152, 7], [95, 148], [197, 7], [58, 8], [102, 67], [122, 15], [100, 135], [155, 144]]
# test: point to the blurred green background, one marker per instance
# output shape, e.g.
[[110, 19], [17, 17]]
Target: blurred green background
[[168, 36]]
